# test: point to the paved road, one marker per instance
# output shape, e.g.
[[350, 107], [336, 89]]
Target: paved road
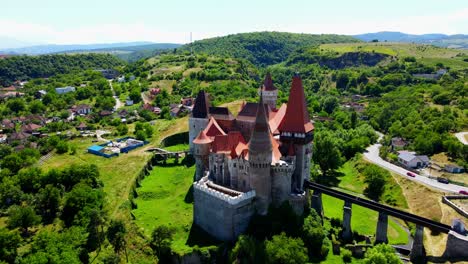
[[372, 155], [118, 103], [461, 137]]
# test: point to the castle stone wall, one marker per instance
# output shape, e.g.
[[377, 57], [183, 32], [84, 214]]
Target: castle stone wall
[[221, 215]]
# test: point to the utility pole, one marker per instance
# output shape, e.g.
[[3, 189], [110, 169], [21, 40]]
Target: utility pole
[[191, 49]]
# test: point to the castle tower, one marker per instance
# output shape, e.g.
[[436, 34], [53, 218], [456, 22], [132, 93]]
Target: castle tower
[[260, 157], [296, 129], [198, 120], [269, 92], [201, 152]]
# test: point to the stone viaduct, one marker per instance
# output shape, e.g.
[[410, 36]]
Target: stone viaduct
[[457, 244]]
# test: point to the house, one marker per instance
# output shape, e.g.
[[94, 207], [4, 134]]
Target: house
[[398, 143], [64, 90], [412, 161], [128, 101], [11, 95], [30, 128], [121, 79], [131, 78], [155, 91], [123, 113], [82, 126], [109, 73], [82, 109], [3, 138], [187, 101], [39, 94], [8, 124], [105, 113], [453, 168], [20, 136]]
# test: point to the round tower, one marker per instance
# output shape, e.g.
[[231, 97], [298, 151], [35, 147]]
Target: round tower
[[201, 151], [198, 120], [260, 157]]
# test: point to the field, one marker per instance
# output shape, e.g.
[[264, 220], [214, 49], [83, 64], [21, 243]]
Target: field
[[428, 54], [117, 173], [165, 199]]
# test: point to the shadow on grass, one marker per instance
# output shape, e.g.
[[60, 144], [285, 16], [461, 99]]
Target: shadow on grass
[[199, 237], [332, 179], [189, 196]]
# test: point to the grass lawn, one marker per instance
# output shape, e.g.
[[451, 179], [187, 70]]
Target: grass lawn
[[178, 147], [351, 180], [165, 199], [363, 220]]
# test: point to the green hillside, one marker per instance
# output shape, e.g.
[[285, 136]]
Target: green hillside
[[428, 54], [263, 48], [29, 67]]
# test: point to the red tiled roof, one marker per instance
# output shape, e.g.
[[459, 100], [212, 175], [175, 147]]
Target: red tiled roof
[[268, 83], [213, 129], [202, 138], [276, 119], [297, 117], [226, 143]]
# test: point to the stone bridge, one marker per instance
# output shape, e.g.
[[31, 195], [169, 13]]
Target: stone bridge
[[457, 244], [165, 154]]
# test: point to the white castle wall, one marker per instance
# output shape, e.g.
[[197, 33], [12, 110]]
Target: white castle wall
[[223, 216]]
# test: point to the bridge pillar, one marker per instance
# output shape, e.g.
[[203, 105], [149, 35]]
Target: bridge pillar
[[417, 250], [317, 202], [347, 234], [382, 225]]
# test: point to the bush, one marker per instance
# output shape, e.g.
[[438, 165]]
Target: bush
[[62, 147], [346, 255]]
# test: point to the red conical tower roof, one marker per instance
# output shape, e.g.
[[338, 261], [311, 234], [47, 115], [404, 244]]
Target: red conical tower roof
[[202, 138], [297, 118], [268, 83]]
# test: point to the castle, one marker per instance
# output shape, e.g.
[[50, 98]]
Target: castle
[[246, 163]]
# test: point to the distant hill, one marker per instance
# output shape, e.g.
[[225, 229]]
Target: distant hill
[[133, 53], [27, 67], [48, 49], [263, 48], [442, 40]]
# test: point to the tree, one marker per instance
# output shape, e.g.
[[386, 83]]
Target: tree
[[285, 250], [376, 179], [140, 135], [161, 239], [135, 95], [247, 250], [326, 152], [381, 254], [62, 147], [48, 202], [23, 217], [16, 105], [116, 235], [313, 233], [96, 234], [79, 203], [9, 243], [50, 246], [122, 129]]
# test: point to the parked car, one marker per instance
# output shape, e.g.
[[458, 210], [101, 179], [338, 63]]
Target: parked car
[[463, 192], [442, 180], [411, 174]]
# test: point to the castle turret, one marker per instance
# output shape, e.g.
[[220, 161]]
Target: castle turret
[[260, 158], [297, 130], [199, 117], [201, 152], [269, 92]]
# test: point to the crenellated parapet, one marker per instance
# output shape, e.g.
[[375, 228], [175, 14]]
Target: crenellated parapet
[[204, 185]]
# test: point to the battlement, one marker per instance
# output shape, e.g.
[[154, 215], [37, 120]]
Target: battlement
[[208, 187], [283, 167]]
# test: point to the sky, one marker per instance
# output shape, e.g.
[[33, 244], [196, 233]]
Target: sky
[[105, 21]]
